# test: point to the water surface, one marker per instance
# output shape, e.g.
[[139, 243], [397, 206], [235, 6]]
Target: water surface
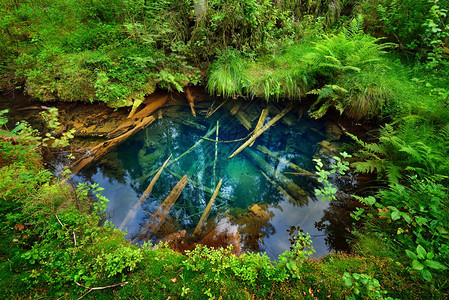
[[250, 207]]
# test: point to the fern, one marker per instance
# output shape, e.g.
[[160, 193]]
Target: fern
[[399, 153]]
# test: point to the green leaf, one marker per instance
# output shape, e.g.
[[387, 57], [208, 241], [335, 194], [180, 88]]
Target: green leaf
[[417, 265], [421, 252], [406, 217], [370, 200], [434, 265], [411, 255], [395, 215], [426, 274]]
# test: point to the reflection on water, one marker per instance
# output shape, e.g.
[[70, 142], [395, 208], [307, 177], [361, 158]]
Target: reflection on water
[[260, 198]]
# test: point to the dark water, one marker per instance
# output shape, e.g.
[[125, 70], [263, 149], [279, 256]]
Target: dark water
[[264, 227]]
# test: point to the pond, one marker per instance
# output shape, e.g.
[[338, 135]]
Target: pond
[[267, 192]]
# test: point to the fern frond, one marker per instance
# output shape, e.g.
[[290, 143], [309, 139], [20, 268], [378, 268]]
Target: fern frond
[[393, 173], [368, 166], [375, 148], [412, 152]]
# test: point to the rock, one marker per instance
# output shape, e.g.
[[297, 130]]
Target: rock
[[327, 149], [261, 214], [333, 132]]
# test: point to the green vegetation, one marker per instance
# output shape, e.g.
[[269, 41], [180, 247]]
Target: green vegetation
[[378, 61]]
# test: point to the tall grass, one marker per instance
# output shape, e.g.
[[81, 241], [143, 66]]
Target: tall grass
[[227, 75]]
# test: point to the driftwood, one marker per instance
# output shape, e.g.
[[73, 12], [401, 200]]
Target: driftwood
[[153, 103], [260, 131], [263, 116], [157, 219], [132, 213], [294, 190], [101, 149], [208, 134], [291, 165], [207, 209], [278, 187], [191, 100]]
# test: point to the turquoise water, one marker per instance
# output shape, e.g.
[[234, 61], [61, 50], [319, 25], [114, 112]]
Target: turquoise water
[[124, 173]]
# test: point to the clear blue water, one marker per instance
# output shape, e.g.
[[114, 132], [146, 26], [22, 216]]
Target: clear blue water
[[124, 175]]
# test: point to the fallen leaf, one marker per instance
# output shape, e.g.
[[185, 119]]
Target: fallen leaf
[[19, 227], [173, 280]]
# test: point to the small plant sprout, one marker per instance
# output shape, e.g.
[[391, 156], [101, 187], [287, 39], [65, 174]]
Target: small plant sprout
[[340, 165]]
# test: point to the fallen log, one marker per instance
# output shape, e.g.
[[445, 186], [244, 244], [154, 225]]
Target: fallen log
[[101, 149], [191, 100], [153, 103], [297, 193], [263, 116], [260, 131], [157, 219], [207, 209], [291, 165], [132, 213]]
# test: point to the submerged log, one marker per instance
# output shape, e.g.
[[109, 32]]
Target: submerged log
[[208, 134], [291, 165], [278, 187], [207, 209], [183, 120], [153, 103], [191, 100], [263, 116], [235, 108], [157, 219], [216, 154], [139, 121], [132, 213], [243, 120], [294, 190], [260, 131], [103, 148], [211, 110], [206, 189]]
